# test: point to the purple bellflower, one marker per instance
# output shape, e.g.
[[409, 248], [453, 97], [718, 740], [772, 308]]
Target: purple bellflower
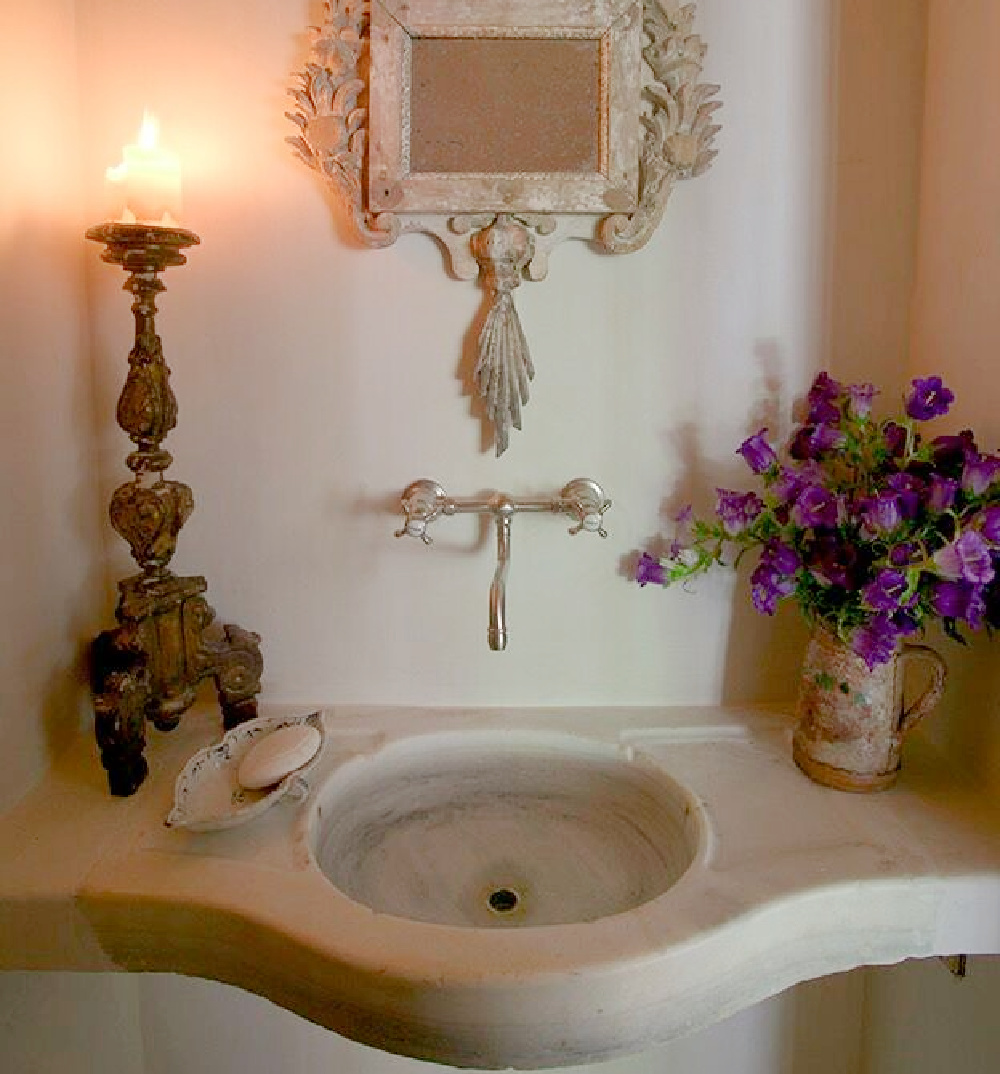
[[928, 399], [758, 453], [979, 473], [939, 494], [650, 571], [816, 506], [875, 642], [823, 397], [736, 510], [989, 524], [886, 591], [881, 513], [959, 600], [860, 397], [966, 559]]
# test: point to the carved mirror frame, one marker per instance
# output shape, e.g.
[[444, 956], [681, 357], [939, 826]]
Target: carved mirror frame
[[370, 126]]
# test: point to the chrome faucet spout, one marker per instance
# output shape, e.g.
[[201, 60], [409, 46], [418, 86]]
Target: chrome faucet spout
[[424, 501], [497, 633]]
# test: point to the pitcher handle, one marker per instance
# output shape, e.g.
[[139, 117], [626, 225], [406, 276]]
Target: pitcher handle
[[924, 704]]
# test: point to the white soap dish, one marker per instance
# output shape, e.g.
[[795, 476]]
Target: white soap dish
[[208, 795]]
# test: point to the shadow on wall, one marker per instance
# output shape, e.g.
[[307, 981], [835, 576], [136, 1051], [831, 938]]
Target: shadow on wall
[[967, 727], [872, 224]]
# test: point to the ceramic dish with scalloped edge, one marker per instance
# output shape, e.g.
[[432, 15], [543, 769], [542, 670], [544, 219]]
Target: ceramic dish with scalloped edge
[[208, 796]]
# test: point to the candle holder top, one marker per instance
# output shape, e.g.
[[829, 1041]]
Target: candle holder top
[[143, 247]]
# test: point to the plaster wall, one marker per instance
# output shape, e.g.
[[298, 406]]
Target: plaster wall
[[956, 322], [917, 1020], [50, 545]]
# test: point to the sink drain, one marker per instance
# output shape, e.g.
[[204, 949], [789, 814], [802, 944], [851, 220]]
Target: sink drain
[[503, 900]]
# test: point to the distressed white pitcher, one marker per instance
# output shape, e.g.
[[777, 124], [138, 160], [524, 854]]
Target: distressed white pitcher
[[852, 718]]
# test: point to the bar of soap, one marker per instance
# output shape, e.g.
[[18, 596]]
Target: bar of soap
[[277, 755]]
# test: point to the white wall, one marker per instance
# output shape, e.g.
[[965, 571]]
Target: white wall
[[956, 328], [316, 380], [921, 1020], [50, 566]]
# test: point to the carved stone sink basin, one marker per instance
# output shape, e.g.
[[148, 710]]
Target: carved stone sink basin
[[503, 830], [470, 888]]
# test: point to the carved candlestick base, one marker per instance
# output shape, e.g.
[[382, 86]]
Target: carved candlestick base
[[167, 641]]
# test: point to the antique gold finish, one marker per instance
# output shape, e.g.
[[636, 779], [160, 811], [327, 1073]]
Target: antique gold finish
[[167, 640]]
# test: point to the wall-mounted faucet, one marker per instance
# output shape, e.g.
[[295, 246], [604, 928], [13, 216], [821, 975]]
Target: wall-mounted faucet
[[582, 499]]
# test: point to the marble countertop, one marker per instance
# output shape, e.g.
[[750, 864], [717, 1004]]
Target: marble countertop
[[796, 881]]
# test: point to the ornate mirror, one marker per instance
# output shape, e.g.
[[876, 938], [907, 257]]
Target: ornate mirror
[[503, 127]]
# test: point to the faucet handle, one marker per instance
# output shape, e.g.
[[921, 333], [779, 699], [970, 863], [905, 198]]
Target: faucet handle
[[585, 500], [421, 502]]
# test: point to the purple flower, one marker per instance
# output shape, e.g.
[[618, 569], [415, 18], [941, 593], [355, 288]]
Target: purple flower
[[876, 641], [959, 600], [833, 561], [782, 557], [823, 398], [979, 473], [950, 452], [860, 397], [894, 436], [909, 489], [885, 592], [989, 524], [786, 486], [812, 441], [774, 576], [966, 559], [650, 570], [737, 510], [939, 495], [767, 587], [758, 453], [882, 513], [905, 622], [816, 506], [928, 399], [902, 555]]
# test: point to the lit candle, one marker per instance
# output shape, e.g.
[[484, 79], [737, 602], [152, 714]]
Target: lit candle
[[146, 187]]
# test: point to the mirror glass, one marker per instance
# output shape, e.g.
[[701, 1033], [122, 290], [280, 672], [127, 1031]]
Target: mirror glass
[[486, 105]]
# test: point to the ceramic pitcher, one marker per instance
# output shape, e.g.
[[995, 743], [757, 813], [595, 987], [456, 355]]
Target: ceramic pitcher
[[852, 718]]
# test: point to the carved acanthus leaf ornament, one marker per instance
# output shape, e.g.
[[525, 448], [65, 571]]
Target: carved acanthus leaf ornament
[[333, 114], [677, 119]]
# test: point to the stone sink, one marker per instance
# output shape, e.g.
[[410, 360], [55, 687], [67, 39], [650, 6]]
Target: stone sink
[[493, 830], [510, 888]]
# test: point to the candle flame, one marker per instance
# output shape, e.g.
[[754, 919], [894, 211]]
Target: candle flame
[[149, 132]]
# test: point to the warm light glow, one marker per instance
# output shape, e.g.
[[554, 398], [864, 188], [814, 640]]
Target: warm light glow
[[146, 187]]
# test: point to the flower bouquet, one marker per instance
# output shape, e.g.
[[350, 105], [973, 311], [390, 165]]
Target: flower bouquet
[[871, 528]]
